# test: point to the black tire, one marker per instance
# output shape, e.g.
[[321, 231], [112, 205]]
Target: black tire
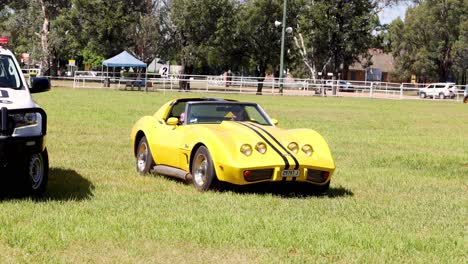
[[422, 95], [465, 100], [144, 158], [203, 172], [441, 96], [36, 175]]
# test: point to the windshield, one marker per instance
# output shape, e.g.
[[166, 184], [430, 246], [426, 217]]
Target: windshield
[[9, 75], [215, 113]]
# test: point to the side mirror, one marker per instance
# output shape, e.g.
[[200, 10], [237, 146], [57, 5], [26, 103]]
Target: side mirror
[[275, 121], [172, 121], [39, 84]]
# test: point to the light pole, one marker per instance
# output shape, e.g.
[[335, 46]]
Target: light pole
[[283, 31]]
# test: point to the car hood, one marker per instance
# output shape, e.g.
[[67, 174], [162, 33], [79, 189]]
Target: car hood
[[252, 133], [15, 99]]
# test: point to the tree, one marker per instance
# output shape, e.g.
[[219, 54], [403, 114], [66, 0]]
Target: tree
[[430, 42], [262, 39], [337, 31], [196, 34]]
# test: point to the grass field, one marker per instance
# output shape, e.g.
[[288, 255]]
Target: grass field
[[399, 194]]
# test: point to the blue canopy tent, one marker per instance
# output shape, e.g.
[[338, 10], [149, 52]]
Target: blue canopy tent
[[125, 59]]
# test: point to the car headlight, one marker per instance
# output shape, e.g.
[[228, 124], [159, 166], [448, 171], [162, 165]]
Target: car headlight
[[246, 149], [293, 147], [307, 149], [261, 147], [26, 124]]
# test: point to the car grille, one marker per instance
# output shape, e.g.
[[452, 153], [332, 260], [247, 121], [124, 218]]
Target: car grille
[[258, 175]]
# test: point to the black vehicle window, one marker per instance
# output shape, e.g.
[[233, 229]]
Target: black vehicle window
[[176, 110], [9, 75]]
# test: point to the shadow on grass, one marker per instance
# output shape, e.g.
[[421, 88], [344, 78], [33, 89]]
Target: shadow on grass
[[67, 185], [280, 189], [63, 185], [287, 190]]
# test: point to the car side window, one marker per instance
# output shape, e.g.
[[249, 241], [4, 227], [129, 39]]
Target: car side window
[[177, 110]]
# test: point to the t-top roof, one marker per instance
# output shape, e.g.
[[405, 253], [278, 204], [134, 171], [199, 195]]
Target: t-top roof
[[124, 59]]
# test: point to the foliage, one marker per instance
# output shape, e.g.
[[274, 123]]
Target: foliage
[[197, 36], [212, 36], [91, 58], [430, 43]]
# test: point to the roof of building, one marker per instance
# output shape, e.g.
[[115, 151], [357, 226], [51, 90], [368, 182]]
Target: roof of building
[[380, 60]]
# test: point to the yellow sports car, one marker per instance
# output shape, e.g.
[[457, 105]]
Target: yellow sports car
[[208, 140]]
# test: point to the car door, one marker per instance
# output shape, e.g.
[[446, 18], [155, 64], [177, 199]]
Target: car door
[[431, 90], [169, 144]]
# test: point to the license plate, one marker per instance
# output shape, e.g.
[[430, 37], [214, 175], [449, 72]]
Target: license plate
[[289, 173]]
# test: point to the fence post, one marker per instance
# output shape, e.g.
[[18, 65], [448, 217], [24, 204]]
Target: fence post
[[401, 91], [371, 90], [242, 82]]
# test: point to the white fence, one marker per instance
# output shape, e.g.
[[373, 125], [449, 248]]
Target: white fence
[[248, 85]]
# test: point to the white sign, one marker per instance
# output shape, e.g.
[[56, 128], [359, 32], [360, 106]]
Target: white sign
[[164, 70]]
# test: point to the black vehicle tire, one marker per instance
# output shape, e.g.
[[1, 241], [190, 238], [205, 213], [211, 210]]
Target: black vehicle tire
[[441, 96], [203, 172], [144, 158], [36, 175], [422, 95]]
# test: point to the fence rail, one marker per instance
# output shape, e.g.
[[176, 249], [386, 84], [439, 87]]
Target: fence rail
[[248, 85]]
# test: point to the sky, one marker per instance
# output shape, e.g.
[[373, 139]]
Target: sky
[[389, 14]]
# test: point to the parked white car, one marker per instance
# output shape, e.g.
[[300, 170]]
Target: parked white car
[[440, 90], [23, 126], [343, 86]]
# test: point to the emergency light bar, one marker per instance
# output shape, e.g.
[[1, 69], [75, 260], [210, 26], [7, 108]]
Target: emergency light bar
[[3, 40]]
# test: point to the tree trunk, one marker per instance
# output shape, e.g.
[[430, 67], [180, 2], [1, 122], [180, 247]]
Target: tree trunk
[[182, 81], [260, 72], [45, 57]]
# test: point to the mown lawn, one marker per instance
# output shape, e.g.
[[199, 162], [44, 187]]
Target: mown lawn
[[399, 193]]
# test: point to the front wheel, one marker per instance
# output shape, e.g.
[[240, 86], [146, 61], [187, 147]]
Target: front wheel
[[144, 159], [203, 172], [37, 173], [422, 95], [441, 96]]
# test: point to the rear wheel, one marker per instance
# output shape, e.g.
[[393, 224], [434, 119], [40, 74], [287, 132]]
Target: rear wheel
[[203, 172], [144, 159], [37, 173]]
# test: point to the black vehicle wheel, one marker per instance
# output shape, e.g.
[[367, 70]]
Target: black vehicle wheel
[[465, 100], [37, 173], [441, 96], [144, 159], [422, 95], [203, 172]]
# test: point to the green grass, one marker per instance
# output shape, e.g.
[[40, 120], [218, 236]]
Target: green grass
[[398, 195]]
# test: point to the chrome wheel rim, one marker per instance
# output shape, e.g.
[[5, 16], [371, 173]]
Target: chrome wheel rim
[[36, 170], [201, 168], [142, 157]]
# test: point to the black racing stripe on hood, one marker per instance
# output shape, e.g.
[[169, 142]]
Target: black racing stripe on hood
[[277, 142], [3, 94], [286, 162]]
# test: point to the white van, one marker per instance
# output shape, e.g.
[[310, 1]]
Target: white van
[[441, 90], [23, 127]]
